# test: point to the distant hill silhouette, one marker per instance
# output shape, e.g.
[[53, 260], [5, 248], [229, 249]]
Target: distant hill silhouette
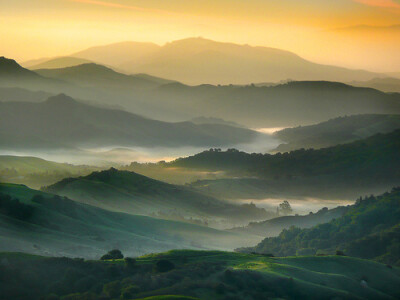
[[199, 61], [283, 105], [62, 122], [59, 62], [117, 54], [95, 75], [387, 84], [336, 131]]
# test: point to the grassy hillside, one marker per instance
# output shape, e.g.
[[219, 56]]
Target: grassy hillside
[[365, 166], [198, 275], [62, 122], [336, 131], [41, 223], [36, 172], [275, 226], [369, 229], [133, 193]]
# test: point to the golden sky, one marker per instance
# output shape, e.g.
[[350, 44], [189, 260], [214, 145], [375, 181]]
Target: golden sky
[[325, 31]]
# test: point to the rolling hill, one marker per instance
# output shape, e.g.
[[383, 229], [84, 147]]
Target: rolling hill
[[195, 275], [282, 105], [344, 171], [59, 62], [35, 172], [94, 75], [388, 85], [275, 226], [133, 193], [369, 229], [62, 122], [336, 131], [47, 224]]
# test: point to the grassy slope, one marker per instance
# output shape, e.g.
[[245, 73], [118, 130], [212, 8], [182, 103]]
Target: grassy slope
[[64, 227], [320, 277], [133, 193], [325, 277]]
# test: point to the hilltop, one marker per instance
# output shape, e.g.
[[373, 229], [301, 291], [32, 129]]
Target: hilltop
[[133, 193]]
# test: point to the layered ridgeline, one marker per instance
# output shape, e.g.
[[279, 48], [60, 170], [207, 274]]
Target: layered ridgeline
[[36, 172], [369, 229], [36, 222], [195, 275], [94, 75], [366, 166], [336, 131], [136, 194], [198, 61], [62, 122], [386, 84], [282, 105]]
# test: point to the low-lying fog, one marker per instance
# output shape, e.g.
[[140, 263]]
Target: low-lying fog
[[117, 155], [300, 206]]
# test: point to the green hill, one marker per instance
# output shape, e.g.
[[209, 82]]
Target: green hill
[[336, 131], [40, 223], [36, 172], [369, 165], [133, 193], [62, 122], [369, 229], [274, 227], [197, 275]]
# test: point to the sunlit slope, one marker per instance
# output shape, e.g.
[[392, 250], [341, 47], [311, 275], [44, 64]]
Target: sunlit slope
[[59, 226], [208, 275]]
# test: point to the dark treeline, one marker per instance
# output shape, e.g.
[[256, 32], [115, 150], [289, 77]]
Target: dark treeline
[[377, 157], [369, 229]]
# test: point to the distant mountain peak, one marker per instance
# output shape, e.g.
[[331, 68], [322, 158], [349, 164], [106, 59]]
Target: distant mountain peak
[[11, 67]]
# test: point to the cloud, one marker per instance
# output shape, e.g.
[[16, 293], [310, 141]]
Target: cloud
[[380, 3]]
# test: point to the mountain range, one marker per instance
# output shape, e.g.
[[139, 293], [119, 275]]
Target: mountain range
[[62, 122], [282, 105], [199, 61]]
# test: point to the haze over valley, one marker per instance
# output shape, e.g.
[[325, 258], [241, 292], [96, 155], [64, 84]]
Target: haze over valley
[[197, 150]]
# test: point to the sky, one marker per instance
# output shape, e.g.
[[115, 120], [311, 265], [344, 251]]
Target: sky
[[350, 33]]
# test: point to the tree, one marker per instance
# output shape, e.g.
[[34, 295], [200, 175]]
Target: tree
[[285, 208], [113, 254]]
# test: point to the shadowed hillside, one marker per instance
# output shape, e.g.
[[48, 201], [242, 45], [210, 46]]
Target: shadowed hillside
[[136, 194], [47, 224], [62, 122]]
